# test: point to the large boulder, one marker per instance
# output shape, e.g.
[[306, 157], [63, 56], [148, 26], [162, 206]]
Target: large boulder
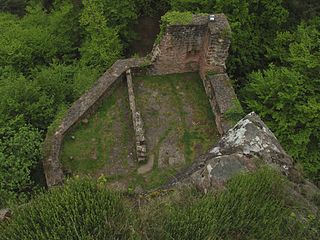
[[244, 147]]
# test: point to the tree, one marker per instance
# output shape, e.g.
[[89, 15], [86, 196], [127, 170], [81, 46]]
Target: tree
[[22, 97], [13, 6], [37, 38], [254, 25], [56, 81], [20, 150], [121, 15], [102, 45], [287, 97]]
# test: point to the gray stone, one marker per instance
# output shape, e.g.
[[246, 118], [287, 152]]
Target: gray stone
[[141, 148], [85, 121], [248, 144], [5, 214]]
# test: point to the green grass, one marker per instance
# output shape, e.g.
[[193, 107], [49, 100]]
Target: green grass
[[92, 149], [204, 133], [253, 206], [182, 90], [93, 142], [81, 209]]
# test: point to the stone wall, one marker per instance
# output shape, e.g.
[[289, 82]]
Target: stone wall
[[180, 48], [141, 147], [80, 109], [200, 46]]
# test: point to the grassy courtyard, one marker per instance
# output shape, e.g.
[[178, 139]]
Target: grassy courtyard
[[179, 127]]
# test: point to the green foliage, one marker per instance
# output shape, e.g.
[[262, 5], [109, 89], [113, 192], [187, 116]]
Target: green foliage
[[35, 39], [195, 6], [82, 209], [177, 18], [61, 112], [252, 207], [254, 26], [301, 10], [173, 18], [102, 45], [234, 114], [288, 98], [152, 8], [56, 81], [19, 152], [121, 15], [22, 97], [13, 6], [84, 78]]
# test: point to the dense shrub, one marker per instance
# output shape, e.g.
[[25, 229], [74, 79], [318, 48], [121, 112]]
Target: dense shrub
[[82, 209], [102, 45], [287, 97], [19, 152]]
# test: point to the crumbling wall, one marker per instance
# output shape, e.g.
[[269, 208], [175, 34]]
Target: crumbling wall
[[141, 147], [180, 48], [81, 108], [200, 46]]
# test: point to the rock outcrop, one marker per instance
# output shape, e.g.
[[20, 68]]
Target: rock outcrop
[[244, 148], [247, 145]]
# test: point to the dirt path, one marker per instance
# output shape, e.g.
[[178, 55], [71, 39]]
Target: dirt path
[[146, 167]]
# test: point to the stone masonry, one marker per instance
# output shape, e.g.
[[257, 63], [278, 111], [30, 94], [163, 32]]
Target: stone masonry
[[141, 148], [200, 46], [80, 109]]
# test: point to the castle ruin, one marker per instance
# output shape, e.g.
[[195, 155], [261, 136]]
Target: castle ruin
[[200, 46]]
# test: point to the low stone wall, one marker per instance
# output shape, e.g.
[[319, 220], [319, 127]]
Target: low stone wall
[[222, 99], [80, 109], [141, 147]]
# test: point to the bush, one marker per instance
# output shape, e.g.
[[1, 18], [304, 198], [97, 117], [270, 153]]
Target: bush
[[287, 97], [81, 209], [20, 150]]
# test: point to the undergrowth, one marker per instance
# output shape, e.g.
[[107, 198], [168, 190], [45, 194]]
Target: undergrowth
[[82, 209], [252, 207], [173, 18]]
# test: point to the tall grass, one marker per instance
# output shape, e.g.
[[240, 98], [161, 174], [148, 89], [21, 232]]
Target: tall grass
[[252, 207], [79, 210]]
